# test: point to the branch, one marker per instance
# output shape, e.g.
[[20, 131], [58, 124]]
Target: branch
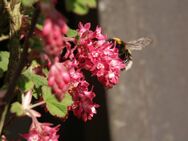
[[23, 60]]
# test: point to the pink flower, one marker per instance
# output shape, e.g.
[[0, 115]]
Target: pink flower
[[98, 55], [53, 30], [42, 132], [52, 35], [83, 29], [3, 138], [83, 106], [62, 76], [26, 105], [59, 79]]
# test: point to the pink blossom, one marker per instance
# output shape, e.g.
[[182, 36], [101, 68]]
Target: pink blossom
[[26, 105], [3, 138], [83, 106], [52, 34], [59, 79], [83, 29], [98, 55], [42, 132], [62, 76], [53, 31]]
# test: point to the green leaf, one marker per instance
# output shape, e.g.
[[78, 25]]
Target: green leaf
[[80, 9], [55, 107], [4, 59], [72, 33], [76, 7], [39, 80], [24, 83], [28, 3], [16, 108], [89, 3], [29, 80], [70, 4], [36, 79], [37, 92], [45, 71], [39, 26], [92, 3]]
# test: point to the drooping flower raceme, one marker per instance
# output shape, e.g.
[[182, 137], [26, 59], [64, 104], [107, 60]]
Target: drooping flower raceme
[[53, 42], [38, 131], [42, 132], [53, 31], [63, 76], [83, 106], [98, 55]]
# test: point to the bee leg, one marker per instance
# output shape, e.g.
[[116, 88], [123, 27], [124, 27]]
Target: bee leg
[[129, 65]]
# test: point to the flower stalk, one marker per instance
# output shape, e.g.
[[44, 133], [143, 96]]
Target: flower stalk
[[37, 104]]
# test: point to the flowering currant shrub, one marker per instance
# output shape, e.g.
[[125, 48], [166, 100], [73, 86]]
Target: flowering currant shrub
[[45, 64]]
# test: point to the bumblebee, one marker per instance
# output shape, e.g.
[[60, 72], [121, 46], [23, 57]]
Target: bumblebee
[[125, 48]]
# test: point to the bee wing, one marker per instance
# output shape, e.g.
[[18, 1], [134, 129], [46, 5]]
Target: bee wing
[[138, 44]]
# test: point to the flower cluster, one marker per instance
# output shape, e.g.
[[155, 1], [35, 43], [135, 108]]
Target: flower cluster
[[38, 131], [83, 106], [62, 76], [42, 132], [54, 42], [98, 55], [53, 30]]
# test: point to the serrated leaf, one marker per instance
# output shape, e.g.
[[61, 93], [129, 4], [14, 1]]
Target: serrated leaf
[[16, 108], [39, 80], [28, 3], [36, 79], [24, 83], [55, 107], [72, 33]]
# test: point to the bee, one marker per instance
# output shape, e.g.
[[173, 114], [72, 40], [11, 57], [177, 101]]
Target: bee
[[125, 48]]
